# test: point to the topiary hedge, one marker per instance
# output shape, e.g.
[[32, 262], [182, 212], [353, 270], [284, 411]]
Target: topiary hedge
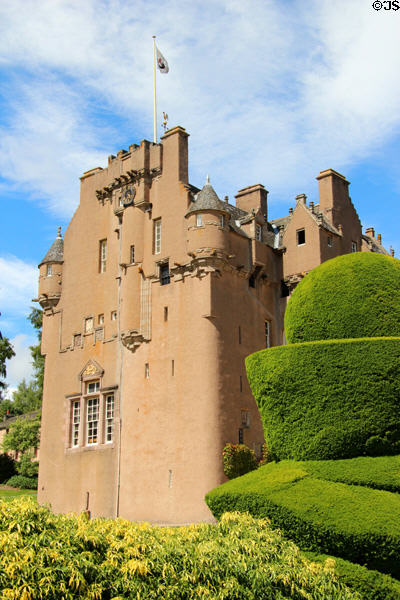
[[352, 296], [350, 521], [333, 399]]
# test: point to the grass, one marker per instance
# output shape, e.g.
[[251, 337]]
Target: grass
[[8, 495]]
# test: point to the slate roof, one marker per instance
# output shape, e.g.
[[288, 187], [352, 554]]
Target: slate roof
[[5, 424], [374, 245], [207, 199], [56, 252]]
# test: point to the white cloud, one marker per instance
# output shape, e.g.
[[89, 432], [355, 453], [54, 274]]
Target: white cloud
[[20, 366], [18, 285], [271, 91]]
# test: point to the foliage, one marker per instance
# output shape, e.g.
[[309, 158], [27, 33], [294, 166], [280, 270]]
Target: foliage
[[321, 400], [238, 459], [6, 352], [370, 584], [350, 521], [23, 482], [352, 296], [36, 319], [266, 457], [27, 467], [23, 435], [9, 495], [7, 467], [57, 556]]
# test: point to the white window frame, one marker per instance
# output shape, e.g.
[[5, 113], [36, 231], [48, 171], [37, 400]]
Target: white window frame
[[157, 236], [109, 406], [75, 422], [199, 220], [92, 420], [49, 270], [103, 256]]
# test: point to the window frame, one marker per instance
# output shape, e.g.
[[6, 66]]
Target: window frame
[[157, 231], [92, 420], [75, 422], [103, 255], [298, 232], [199, 220], [109, 418]]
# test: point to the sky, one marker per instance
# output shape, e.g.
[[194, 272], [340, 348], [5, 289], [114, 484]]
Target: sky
[[270, 91]]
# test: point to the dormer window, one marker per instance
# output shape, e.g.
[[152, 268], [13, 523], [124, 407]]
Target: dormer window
[[199, 220]]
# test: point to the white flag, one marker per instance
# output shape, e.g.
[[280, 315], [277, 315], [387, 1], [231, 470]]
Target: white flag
[[161, 62]]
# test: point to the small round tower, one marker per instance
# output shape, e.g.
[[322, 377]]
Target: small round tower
[[208, 219], [50, 274]]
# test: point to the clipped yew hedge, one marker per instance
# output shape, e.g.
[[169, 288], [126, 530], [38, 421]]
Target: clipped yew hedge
[[353, 522], [352, 296], [332, 399], [68, 557]]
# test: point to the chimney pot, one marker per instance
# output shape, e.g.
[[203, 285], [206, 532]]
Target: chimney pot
[[379, 238]]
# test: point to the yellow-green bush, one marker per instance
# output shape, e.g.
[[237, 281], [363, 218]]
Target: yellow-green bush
[[46, 556]]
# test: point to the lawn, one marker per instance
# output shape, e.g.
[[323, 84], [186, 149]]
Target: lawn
[[7, 493]]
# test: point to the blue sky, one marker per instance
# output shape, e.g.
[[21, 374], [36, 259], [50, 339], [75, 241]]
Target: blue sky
[[271, 92]]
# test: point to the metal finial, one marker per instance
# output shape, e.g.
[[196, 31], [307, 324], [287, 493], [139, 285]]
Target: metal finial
[[59, 232], [207, 179], [165, 121]]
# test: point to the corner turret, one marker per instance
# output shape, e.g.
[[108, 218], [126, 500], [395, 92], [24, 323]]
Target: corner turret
[[50, 274], [207, 218]]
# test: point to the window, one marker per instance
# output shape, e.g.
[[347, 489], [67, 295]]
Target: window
[[245, 418], [164, 274], [165, 313], [241, 383], [99, 334], [240, 335], [92, 420], [76, 416], [113, 315], [354, 246], [49, 270], [172, 368], [258, 232], [267, 334], [77, 340], [103, 256], [199, 220], [109, 418], [92, 387], [240, 436], [330, 241], [301, 237], [100, 319], [88, 324], [222, 221], [157, 236], [132, 255], [146, 371]]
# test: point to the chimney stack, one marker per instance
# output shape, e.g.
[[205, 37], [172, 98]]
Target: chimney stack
[[370, 231], [379, 238]]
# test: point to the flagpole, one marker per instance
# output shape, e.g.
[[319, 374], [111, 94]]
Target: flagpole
[[154, 86]]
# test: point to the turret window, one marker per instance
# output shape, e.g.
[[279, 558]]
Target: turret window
[[222, 221], [199, 220], [258, 233], [49, 270]]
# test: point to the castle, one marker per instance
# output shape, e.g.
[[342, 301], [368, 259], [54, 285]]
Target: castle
[[151, 302]]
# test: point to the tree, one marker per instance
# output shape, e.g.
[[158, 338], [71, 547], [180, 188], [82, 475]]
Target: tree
[[6, 352], [36, 318]]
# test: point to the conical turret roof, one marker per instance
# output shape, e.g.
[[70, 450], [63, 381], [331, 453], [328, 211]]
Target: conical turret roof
[[207, 199], [56, 252]]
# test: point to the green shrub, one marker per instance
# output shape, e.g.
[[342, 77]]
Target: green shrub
[[353, 522], [370, 584], [27, 467], [7, 467], [238, 460], [68, 557], [25, 483], [351, 296], [322, 400]]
